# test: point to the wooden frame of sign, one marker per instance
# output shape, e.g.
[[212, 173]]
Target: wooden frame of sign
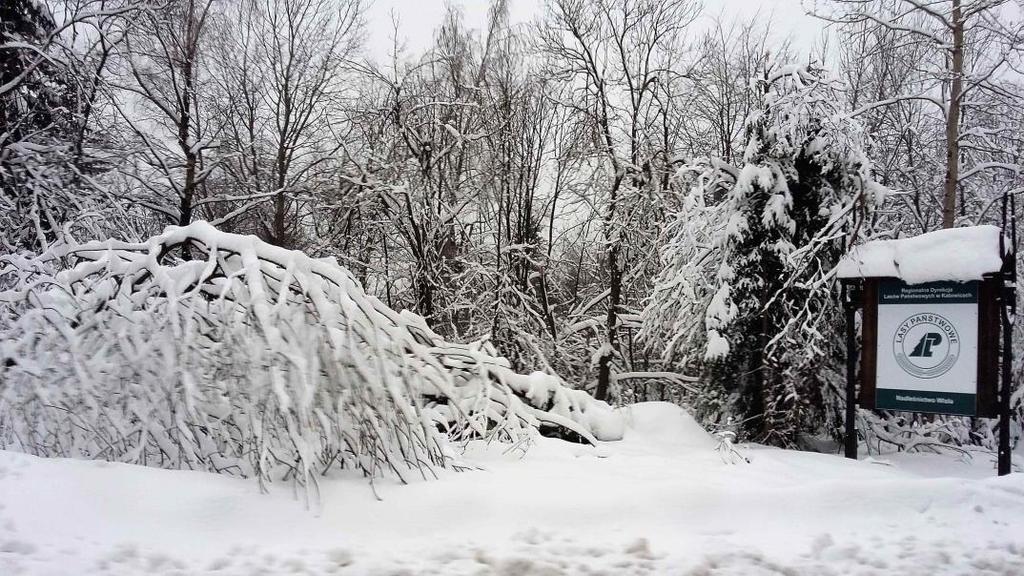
[[985, 400]]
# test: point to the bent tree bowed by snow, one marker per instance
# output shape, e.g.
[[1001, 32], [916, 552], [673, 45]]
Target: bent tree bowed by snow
[[204, 350]]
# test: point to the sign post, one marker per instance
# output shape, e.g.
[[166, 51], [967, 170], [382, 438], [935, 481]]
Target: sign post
[[1008, 308], [852, 301], [936, 332]]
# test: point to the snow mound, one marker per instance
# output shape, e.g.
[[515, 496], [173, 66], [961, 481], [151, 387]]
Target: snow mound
[[960, 254], [665, 423]]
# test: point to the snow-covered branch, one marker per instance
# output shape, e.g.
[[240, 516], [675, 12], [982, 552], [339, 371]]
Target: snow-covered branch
[[248, 359]]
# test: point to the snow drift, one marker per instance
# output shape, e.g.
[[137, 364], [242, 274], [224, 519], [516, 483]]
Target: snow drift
[[204, 350]]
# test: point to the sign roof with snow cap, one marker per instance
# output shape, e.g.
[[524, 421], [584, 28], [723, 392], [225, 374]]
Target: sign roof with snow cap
[[959, 254]]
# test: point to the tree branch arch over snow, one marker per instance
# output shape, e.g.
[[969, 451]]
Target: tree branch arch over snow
[[248, 359]]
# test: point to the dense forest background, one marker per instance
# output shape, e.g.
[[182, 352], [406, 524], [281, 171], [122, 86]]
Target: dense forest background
[[627, 193]]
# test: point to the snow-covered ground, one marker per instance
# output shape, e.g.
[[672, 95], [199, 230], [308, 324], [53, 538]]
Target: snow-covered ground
[[661, 501]]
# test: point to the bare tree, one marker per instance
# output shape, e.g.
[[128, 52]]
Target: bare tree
[[721, 94], [167, 69], [426, 125], [282, 88], [614, 54], [968, 46]]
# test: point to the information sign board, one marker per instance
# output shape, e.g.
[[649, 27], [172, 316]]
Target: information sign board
[[927, 347]]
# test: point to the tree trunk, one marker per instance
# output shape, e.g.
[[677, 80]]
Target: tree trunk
[[280, 207], [604, 366], [188, 188], [953, 121]]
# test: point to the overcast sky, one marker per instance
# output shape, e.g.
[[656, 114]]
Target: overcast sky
[[419, 18]]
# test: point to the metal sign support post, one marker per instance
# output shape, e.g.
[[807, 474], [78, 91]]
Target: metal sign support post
[[853, 299], [1008, 308], [1008, 314]]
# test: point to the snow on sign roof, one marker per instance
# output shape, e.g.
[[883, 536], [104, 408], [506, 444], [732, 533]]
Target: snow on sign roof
[[953, 254]]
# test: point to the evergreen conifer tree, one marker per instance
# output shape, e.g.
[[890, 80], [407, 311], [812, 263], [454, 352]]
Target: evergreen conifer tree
[[781, 221]]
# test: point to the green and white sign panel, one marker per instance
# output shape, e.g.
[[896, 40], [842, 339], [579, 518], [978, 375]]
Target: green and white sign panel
[[927, 347]]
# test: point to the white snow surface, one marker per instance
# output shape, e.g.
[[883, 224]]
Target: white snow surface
[[660, 501], [959, 254]]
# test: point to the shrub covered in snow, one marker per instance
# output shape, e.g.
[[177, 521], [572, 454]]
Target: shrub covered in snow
[[204, 350]]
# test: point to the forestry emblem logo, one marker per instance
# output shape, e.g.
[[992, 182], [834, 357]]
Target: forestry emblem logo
[[926, 345]]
